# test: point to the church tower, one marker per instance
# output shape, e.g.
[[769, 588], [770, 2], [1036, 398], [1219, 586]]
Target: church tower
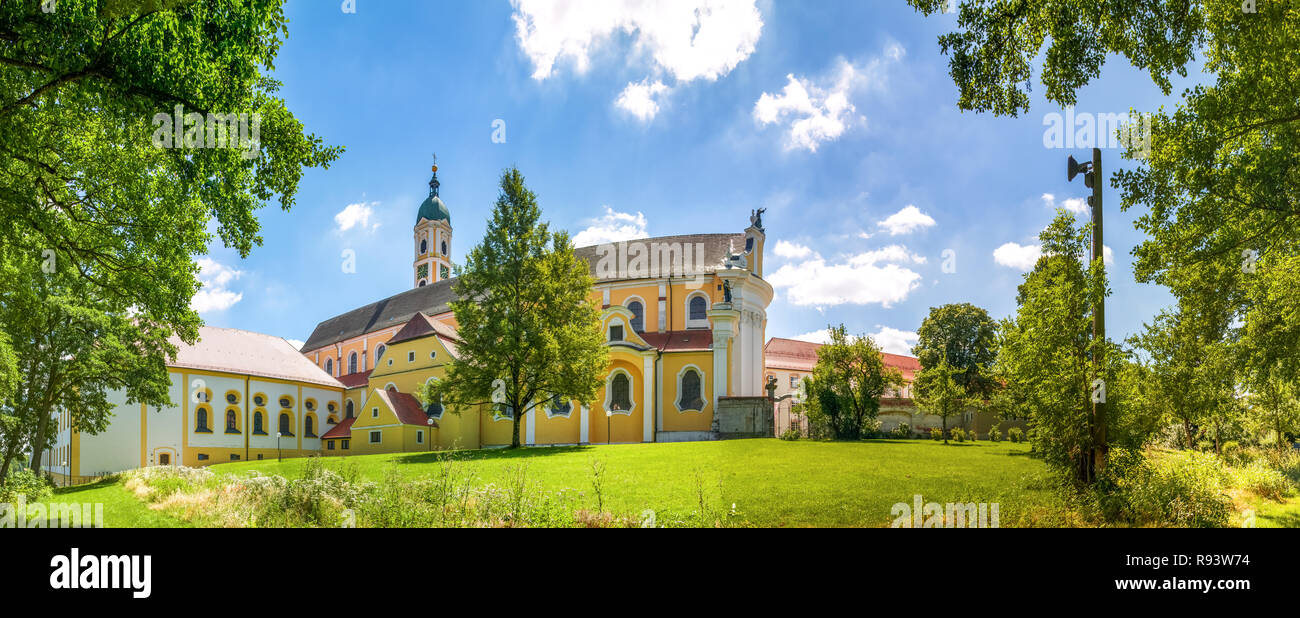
[[432, 238]]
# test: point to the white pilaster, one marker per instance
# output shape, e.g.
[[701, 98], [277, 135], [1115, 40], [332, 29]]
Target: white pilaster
[[530, 427], [583, 424], [650, 380]]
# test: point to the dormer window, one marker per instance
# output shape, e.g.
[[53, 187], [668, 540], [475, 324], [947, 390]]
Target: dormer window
[[616, 332]]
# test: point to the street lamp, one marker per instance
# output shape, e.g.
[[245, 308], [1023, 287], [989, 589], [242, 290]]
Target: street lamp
[[429, 438], [278, 458], [609, 416], [1092, 179]]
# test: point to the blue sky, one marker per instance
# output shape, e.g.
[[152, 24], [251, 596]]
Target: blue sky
[[838, 117]]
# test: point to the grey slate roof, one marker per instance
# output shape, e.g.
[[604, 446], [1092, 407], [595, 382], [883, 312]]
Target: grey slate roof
[[434, 299]]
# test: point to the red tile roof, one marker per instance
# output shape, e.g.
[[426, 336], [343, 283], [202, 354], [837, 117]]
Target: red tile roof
[[341, 430], [421, 325], [694, 340], [407, 407], [356, 380], [792, 354]]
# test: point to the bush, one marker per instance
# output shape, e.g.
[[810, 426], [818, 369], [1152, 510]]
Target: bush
[[1182, 489], [21, 481], [791, 434], [936, 434], [957, 434], [1259, 477], [995, 435], [1015, 434], [971, 435], [902, 432]]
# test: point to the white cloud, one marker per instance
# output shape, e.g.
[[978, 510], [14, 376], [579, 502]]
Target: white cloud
[[1076, 205], [817, 111], [1020, 257], [296, 343], [642, 99], [787, 249], [891, 340], [613, 226], [213, 294], [358, 216], [872, 277], [1024, 257], [906, 221], [684, 39]]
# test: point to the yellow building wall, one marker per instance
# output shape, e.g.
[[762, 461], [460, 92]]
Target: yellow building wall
[[619, 427], [673, 363], [558, 429]]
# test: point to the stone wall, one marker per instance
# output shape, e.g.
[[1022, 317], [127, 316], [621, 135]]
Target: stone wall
[[743, 417]]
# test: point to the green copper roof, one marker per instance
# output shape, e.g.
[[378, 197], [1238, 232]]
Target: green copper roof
[[433, 209]]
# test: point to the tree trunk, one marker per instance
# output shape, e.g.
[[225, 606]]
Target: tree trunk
[[945, 429], [514, 439], [38, 441]]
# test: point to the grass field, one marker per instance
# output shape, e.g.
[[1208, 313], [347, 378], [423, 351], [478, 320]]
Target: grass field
[[769, 482]]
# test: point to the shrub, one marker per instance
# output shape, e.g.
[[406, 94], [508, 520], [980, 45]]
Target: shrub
[[957, 434], [902, 432], [971, 435], [995, 435], [790, 434], [1259, 477], [936, 434], [1182, 489], [1015, 434], [23, 482]]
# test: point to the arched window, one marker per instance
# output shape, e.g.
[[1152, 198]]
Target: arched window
[[257, 424], [379, 353], [690, 397], [352, 363], [444, 247], [201, 420], [350, 413], [638, 316], [621, 395], [329, 366], [308, 431], [422, 282], [699, 308], [424, 246], [231, 426], [285, 425], [435, 409]]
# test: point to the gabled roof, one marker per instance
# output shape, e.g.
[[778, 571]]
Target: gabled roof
[[406, 407], [421, 325], [247, 353], [795, 355], [432, 299], [341, 430]]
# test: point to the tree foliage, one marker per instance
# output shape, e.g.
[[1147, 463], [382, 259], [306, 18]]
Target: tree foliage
[[944, 395], [529, 328], [963, 336], [847, 383]]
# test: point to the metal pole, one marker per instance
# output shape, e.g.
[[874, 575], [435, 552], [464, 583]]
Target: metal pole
[[1098, 317]]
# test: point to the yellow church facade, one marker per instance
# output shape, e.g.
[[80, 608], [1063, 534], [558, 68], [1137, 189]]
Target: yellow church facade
[[683, 317]]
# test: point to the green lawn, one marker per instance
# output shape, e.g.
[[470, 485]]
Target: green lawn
[[770, 482], [121, 508]]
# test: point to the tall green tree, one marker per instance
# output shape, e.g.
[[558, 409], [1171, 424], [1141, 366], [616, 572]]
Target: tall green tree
[[73, 349], [963, 336], [945, 396], [1217, 179], [128, 130], [848, 381], [1047, 349], [530, 330]]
